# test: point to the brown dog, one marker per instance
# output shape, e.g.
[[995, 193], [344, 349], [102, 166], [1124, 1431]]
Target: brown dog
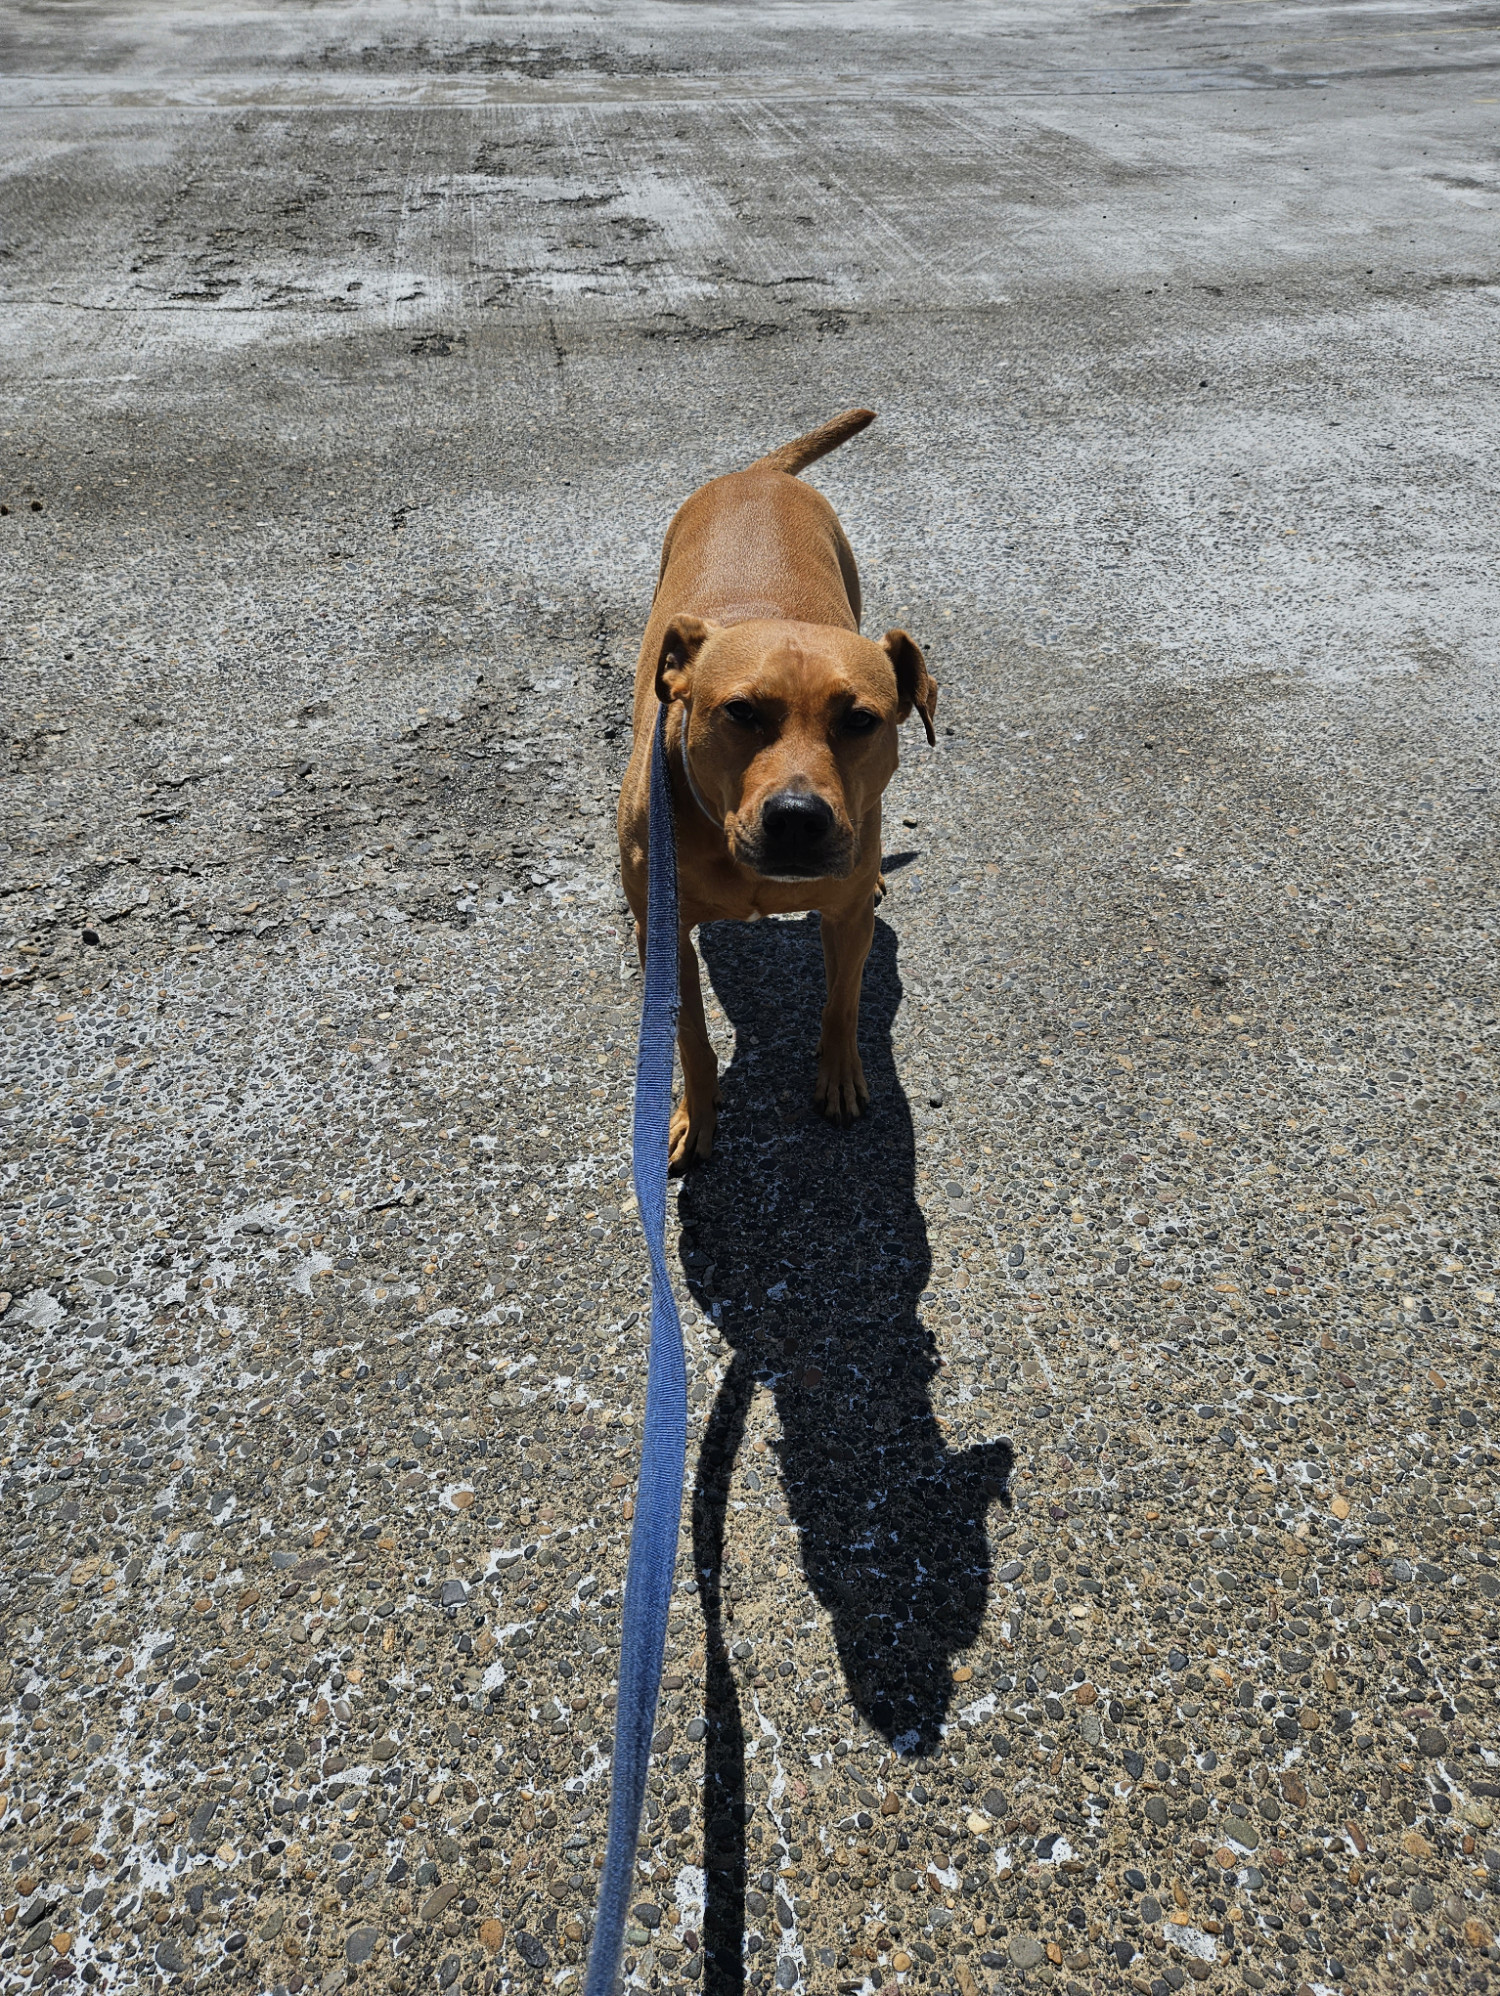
[[781, 738]]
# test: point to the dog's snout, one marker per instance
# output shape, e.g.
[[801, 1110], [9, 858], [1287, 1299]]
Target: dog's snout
[[797, 832], [796, 821], [797, 837]]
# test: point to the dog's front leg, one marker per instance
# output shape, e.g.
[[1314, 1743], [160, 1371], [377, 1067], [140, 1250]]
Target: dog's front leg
[[840, 1091], [694, 1119]]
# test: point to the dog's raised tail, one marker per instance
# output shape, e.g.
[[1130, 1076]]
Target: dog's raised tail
[[803, 451]]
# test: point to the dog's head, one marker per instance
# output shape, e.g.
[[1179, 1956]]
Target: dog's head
[[790, 733]]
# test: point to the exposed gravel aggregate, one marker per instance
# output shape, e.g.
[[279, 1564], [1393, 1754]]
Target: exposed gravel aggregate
[[1090, 1570]]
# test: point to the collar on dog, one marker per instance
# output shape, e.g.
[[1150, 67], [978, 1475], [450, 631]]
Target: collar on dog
[[687, 767]]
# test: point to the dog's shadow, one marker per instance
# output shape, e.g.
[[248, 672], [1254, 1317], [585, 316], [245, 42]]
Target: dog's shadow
[[809, 1245]]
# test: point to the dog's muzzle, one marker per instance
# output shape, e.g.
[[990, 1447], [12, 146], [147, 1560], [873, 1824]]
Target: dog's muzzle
[[798, 838]]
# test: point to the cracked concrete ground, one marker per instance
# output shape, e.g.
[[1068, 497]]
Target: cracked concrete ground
[[1090, 1572]]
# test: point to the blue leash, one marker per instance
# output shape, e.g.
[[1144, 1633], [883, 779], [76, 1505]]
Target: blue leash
[[653, 1537]]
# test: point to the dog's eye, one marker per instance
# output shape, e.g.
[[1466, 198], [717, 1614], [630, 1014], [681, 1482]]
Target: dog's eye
[[860, 721], [742, 713]]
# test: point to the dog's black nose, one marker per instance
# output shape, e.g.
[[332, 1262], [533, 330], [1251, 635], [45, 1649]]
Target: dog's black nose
[[795, 825]]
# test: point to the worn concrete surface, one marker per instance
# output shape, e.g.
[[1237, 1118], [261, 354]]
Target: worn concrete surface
[[1095, 1467]]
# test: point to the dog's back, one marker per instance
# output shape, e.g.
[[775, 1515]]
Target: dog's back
[[760, 543]]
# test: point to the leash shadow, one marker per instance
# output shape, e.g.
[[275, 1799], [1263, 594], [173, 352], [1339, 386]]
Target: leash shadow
[[809, 1244]]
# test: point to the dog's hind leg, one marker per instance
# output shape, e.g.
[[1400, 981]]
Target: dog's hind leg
[[696, 1116], [840, 1091]]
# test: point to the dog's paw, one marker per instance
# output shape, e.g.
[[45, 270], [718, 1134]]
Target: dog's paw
[[690, 1136], [840, 1093]]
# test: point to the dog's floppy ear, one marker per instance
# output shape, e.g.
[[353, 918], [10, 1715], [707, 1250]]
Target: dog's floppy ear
[[914, 682], [681, 643]]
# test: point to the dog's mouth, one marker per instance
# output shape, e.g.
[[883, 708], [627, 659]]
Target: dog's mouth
[[812, 871]]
